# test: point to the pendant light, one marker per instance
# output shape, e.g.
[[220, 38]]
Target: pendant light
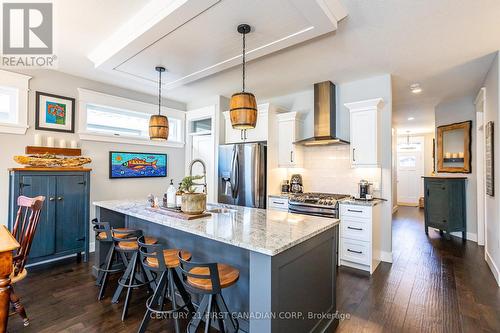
[[243, 107], [158, 124]]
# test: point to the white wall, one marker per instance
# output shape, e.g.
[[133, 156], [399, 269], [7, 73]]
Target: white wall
[[492, 112], [326, 168], [102, 188], [456, 111]]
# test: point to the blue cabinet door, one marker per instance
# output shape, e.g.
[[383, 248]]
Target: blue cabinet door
[[70, 212], [44, 241]]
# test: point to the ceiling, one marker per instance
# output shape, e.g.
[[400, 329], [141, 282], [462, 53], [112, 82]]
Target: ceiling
[[445, 45]]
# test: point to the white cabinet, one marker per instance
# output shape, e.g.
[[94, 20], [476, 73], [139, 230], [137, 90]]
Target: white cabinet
[[364, 132], [360, 236], [276, 202], [259, 133], [289, 154]]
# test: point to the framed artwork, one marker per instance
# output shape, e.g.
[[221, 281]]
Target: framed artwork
[[489, 159], [454, 147], [137, 165], [54, 113]]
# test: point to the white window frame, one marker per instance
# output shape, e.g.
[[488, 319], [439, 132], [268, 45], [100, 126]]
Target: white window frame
[[21, 83], [96, 98]]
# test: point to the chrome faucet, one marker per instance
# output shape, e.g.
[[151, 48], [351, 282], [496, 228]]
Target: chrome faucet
[[193, 162]]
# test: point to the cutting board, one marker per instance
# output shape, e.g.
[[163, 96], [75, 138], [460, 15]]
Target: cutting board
[[177, 213]]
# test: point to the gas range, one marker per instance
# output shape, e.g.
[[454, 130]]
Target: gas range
[[318, 204]]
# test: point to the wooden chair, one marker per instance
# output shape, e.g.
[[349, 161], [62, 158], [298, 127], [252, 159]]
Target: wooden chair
[[27, 219]]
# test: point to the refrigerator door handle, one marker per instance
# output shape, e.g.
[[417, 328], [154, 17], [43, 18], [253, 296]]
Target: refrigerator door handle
[[234, 173], [256, 177]]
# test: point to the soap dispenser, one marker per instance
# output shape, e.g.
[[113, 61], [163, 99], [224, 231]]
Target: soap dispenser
[[171, 195]]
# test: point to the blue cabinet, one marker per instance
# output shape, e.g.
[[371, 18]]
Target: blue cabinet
[[445, 204], [64, 225]]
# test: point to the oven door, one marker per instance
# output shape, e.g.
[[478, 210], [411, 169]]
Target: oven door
[[315, 210]]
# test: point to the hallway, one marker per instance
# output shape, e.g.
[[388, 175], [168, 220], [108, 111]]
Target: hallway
[[433, 285]]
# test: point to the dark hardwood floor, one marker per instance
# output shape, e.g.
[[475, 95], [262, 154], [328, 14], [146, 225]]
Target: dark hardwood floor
[[434, 285]]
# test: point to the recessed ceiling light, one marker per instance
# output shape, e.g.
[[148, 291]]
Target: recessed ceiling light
[[411, 118], [415, 88]]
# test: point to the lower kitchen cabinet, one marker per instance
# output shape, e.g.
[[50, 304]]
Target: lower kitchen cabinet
[[444, 204], [360, 236], [64, 225]]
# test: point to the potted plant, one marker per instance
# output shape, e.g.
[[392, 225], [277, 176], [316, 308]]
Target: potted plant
[[192, 203]]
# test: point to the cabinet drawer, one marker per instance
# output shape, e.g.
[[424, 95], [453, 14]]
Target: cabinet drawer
[[278, 203], [355, 251], [355, 211], [355, 230]]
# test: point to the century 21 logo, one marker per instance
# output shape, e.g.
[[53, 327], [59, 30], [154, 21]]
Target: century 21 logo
[[27, 28]]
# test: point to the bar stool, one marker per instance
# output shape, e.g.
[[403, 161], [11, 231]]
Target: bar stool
[[157, 258], [125, 242], [103, 235], [208, 279]]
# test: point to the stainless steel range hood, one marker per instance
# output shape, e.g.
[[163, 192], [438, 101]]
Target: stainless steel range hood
[[324, 117]]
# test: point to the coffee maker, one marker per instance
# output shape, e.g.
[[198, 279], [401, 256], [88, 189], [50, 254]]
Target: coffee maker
[[296, 184], [365, 190]]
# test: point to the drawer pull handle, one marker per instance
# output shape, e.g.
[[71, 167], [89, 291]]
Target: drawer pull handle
[[355, 211], [278, 203], [358, 252], [359, 229], [51, 198]]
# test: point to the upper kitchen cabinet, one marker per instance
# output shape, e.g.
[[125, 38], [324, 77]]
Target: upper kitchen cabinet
[[289, 154], [364, 132], [259, 133]]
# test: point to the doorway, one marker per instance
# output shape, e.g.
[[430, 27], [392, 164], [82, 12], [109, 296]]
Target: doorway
[[480, 171], [200, 144], [410, 169]]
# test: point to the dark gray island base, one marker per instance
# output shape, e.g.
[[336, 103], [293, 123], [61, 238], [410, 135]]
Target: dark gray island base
[[290, 290]]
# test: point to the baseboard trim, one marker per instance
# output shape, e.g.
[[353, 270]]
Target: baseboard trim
[[493, 266], [386, 256], [471, 236]]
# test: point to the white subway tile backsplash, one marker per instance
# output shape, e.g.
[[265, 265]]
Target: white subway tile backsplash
[[328, 169]]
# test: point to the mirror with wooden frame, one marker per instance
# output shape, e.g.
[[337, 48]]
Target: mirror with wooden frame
[[454, 147]]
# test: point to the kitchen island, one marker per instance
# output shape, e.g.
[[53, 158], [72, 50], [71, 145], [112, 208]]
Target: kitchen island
[[287, 262]]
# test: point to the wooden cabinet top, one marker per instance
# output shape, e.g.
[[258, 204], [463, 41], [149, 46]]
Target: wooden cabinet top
[[443, 177], [50, 169]]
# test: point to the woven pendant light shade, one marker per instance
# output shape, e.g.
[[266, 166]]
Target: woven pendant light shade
[[158, 127], [243, 111], [158, 124]]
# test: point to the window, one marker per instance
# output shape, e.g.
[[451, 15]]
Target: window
[[13, 102], [110, 118], [9, 105]]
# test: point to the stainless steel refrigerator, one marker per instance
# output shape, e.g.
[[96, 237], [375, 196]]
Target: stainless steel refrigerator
[[242, 174]]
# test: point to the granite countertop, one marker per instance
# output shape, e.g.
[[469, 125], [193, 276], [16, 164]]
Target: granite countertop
[[368, 203], [282, 195], [269, 232]]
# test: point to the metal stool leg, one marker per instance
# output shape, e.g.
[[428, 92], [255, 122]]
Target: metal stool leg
[[173, 300], [221, 304], [101, 272], [182, 290], [157, 295], [120, 287], [104, 279], [209, 314], [133, 263], [196, 321]]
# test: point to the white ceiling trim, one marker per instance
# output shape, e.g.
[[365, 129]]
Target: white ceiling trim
[[126, 48], [155, 20]]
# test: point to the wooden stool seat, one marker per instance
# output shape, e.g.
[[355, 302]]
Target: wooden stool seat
[[171, 258], [228, 275], [133, 245], [102, 235], [20, 276]]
